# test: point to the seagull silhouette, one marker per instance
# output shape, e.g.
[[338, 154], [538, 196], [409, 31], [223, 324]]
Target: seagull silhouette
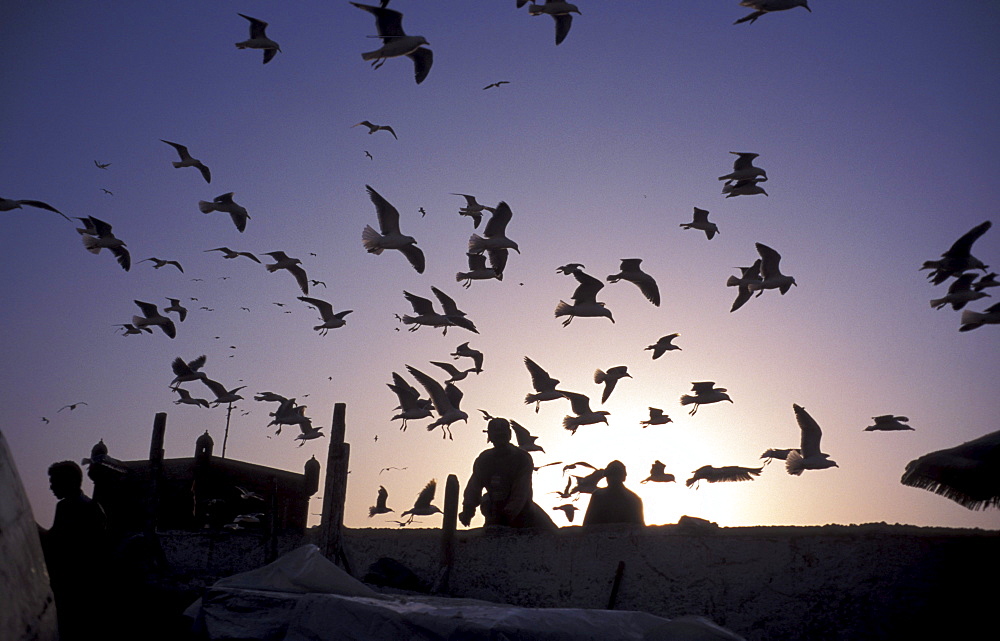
[[584, 415], [395, 42], [808, 456], [97, 235], [494, 240], [658, 474], [656, 417], [958, 258], [631, 272], [743, 168], [411, 406], [545, 385], [152, 316], [187, 161], [225, 203], [330, 320], [6, 204], [390, 238], [446, 401], [163, 263], [422, 506], [888, 423], [766, 6], [584, 300], [497, 84], [727, 474], [701, 222], [464, 350], [283, 261], [258, 39], [372, 128], [748, 276], [610, 378], [771, 276], [704, 392], [380, 506], [663, 345]]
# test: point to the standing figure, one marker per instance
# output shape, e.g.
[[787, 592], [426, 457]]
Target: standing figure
[[614, 503]]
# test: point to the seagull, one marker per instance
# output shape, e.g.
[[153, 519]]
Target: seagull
[[494, 240], [663, 345], [370, 156], [468, 352], [545, 385], [454, 373], [187, 399], [631, 272], [380, 507], [808, 456], [761, 7], [656, 417], [888, 423], [330, 320], [959, 293], [746, 187], [102, 165], [446, 401], [966, 473], [478, 270], [396, 43], [152, 316], [610, 378], [391, 237], [587, 484], [584, 415], [247, 495], [96, 235], [958, 258], [425, 314], [497, 84], [971, 320], [729, 473], [701, 222], [372, 128], [524, 439], [771, 276], [749, 275], [107, 191], [229, 253], [222, 395], [413, 407], [657, 474], [225, 203], [308, 432], [258, 39], [163, 263], [704, 392], [187, 161], [584, 300], [561, 12], [282, 261], [568, 509], [185, 372], [129, 328], [71, 407], [422, 506], [473, 209], [6, 204], [743, 168]]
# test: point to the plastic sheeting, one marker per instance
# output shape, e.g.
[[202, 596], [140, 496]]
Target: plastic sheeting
[[304, 597]]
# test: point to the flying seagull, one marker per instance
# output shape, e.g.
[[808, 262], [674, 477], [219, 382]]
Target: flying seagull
[[185, 372], [658, 474], [229, 253], [656, 417], [225, 203], [102, 165], [446, 401], [761, 7], [258, 39], [222, 395], [743, 168], [411, 406], [152, 316], [701, 222], [422, 506], [478, 270], [96, 235], [568, 509], [808, 456], [494, 240], [177, 308], [561, 12], [524, 439], [6, 204], [372, 128], [396, 43], [453, 372], [390, 238], [380, 506], [187, 161], [468, 352], [958, 258], [631, 272], [663, 345], [584, 300], [497, 84], [187, 399], [163, 263], [545, 385], [71, 407], [473, 209], [705, 392], [771, 276], [748, 276], [330, 320], [610, 378], [584, 415], [729, 473], [888, 423], [425, 314], [968, 474], [283, 261]]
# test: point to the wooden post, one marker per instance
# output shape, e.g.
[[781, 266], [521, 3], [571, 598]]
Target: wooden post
[[448, 534], [613, 599], [155, 473], [335, 490]]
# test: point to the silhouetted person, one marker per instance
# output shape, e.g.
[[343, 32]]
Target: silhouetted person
[[614, 503], [75, 549], [504, 472]]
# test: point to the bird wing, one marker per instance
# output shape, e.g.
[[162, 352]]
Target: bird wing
[[434, 390], [217, 388], [388, 216], [148, 309], [540, 379], [963, 246], [388, 22], [811, 432], [421, 306], [702, 387], [700, 215], [579, 402], [426, 495], [497, 224], [521, 433], [454, 395], [588, 287], [406, 393], [743, 161], [769, 261], [447, 303], [563, 22], [448, 367], [325, 308], [256, 26], [300, 278], [182, 151], [416, 257]]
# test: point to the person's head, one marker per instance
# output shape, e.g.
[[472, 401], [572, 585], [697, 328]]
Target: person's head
[[65, 479], [615, 472], [498, 431]]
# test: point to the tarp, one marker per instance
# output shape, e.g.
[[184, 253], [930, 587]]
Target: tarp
[[304, 597]]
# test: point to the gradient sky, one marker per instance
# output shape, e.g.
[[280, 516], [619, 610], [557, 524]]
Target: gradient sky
[[876, 123]]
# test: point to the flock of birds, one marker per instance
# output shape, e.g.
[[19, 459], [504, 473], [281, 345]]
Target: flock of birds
[[440, 401]]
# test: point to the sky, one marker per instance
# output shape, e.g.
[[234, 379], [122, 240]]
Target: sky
[[876, 125]]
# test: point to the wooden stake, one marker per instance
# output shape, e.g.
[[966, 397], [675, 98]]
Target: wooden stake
[[448, 527], [335, 490]]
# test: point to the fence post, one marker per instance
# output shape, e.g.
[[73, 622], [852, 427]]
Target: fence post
[[331, 541]]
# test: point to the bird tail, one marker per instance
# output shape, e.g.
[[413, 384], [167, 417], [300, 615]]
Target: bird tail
[[371, 55], [460, 276], [938, 303], [971, 320], [569, 423], [177, 164], [272, 268], [409, 320], [687, 399], [793, 464], [531, 398], [206, 206], [563, 309], [600, 376], [92, 244], [477, 244], [370, 239]]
